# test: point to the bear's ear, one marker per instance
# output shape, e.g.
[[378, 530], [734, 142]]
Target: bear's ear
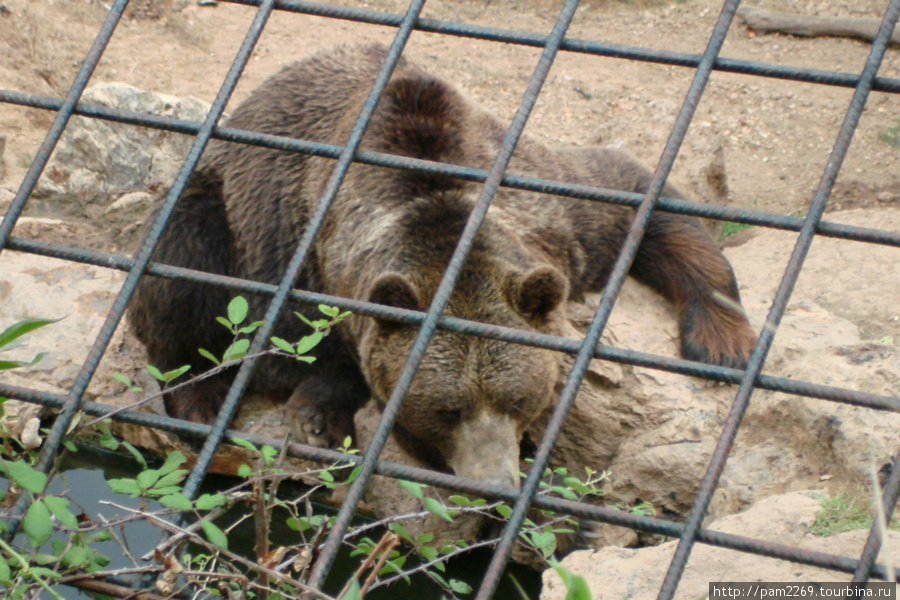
[[538, 292], [393, 289]]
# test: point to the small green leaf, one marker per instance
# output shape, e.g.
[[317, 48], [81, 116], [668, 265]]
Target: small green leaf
[[107, 439], [354, 592], [125, 486], [121, 378], [331, 311], [576, 586], [209, 355], [460, 587], [425, 538], [211, 501], [237, 310], [226, 323], [164, 491], [400, 530], [564, 492], [135, 453], [576, 484], [307, 359], [178, 501], [101, 536], [21, 328], [436, 508], [268, 453], [49, 559], [283, 345], [25, 476], [146, 479], [244, 471], [171, 480], [75, 557], [98, 561], [37, 523], [18, 364], [214, 534], [354, 474], [459, 500], [412, 488], [250, 328], [504, 511], [45, 573], [4, 570], [545, 542], [309, 342], [173, 461], [176, 373], [244, 444], [237, 350], [60, 508], [156, 373], [326, 476], [393, 566], [429, 553]]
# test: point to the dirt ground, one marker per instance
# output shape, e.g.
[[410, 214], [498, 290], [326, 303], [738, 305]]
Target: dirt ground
[[776, 135]]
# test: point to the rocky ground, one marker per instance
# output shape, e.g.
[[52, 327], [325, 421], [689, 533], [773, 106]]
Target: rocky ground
[[653, 431]]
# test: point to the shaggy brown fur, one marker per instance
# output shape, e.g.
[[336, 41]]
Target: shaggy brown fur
[[388, 238]]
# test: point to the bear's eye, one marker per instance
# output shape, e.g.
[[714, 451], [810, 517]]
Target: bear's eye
[[450, 417]]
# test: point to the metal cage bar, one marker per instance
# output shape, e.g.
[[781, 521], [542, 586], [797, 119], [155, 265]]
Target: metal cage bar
[[779, 304], [611, 291], [441, 297], [690, 532], [69, 409]]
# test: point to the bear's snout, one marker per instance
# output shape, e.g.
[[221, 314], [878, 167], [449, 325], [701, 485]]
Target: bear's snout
[[486, 448]]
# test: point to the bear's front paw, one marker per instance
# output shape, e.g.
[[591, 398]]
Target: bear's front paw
[[316, 421]]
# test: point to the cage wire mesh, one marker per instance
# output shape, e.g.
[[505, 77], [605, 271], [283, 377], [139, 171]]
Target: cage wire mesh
[[690, 532]]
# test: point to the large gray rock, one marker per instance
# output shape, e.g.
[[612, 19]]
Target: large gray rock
[[97, 158], [614, 573]]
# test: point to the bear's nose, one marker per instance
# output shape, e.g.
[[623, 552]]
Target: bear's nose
[[486, 448]]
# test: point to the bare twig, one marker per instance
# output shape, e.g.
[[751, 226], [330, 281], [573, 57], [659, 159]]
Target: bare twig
[[460, 550], [171, 527], [385, 545], [205, 375], [117, 591]]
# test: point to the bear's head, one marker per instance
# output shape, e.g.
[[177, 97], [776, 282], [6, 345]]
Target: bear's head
[[472, 398]]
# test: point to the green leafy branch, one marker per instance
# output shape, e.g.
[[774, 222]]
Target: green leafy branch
[[236, 352]]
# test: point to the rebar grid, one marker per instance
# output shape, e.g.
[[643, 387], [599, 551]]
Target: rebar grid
[[523, 182], [779, 305], [688, 533]]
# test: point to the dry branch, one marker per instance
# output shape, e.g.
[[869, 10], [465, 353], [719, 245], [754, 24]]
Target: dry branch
[[766, 21]]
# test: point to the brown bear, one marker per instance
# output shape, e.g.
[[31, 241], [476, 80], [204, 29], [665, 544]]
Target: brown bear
[[388, 238]]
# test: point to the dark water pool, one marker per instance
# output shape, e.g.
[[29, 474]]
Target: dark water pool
[[85, 474]]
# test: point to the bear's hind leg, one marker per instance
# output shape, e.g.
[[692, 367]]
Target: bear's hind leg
[[173, 318], [679, 259]]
